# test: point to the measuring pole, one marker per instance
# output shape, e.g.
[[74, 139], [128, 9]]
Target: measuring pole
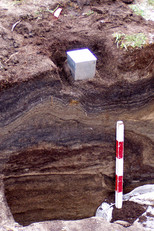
[[119, 164]]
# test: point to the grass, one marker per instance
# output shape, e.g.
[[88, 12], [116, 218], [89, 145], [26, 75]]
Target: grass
[[52, 11], [137, 10], [151, 2], [38, 13], [88, 13], [17, 2], [134, 40]]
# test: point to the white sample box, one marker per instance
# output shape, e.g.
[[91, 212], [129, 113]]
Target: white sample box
[[82, 63]]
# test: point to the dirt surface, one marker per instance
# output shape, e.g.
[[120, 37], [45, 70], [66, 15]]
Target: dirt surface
[[54, 129], [38, 33]]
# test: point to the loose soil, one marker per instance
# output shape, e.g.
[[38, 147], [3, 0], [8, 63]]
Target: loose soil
[[129, 212], [39, 32]]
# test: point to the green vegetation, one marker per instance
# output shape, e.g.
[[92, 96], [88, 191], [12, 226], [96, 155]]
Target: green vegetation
[[151, 2], [88, 13], [137, 10], [134, 40], [38, 13], [52, 11], [17, 2]]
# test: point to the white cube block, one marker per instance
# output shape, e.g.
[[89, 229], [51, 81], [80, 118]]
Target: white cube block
[[82, 64]]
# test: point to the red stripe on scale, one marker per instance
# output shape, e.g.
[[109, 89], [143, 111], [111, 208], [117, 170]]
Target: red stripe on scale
[[119, 183], [119, 149]]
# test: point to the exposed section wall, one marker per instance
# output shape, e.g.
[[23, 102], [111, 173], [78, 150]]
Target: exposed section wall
[[57, 136]]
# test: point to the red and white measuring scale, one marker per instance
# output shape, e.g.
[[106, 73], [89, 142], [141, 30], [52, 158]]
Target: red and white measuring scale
[[119, 163]]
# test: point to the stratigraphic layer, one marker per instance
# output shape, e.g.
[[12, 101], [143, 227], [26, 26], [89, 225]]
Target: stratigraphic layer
[[58, 152]]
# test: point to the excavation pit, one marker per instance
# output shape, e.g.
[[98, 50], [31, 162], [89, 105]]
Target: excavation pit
[[43, 186], [57, 143]]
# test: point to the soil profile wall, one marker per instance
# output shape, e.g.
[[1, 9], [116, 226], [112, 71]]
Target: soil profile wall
[[57, 136]]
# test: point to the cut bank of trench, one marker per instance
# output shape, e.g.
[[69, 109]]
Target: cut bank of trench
[[44, 184]]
